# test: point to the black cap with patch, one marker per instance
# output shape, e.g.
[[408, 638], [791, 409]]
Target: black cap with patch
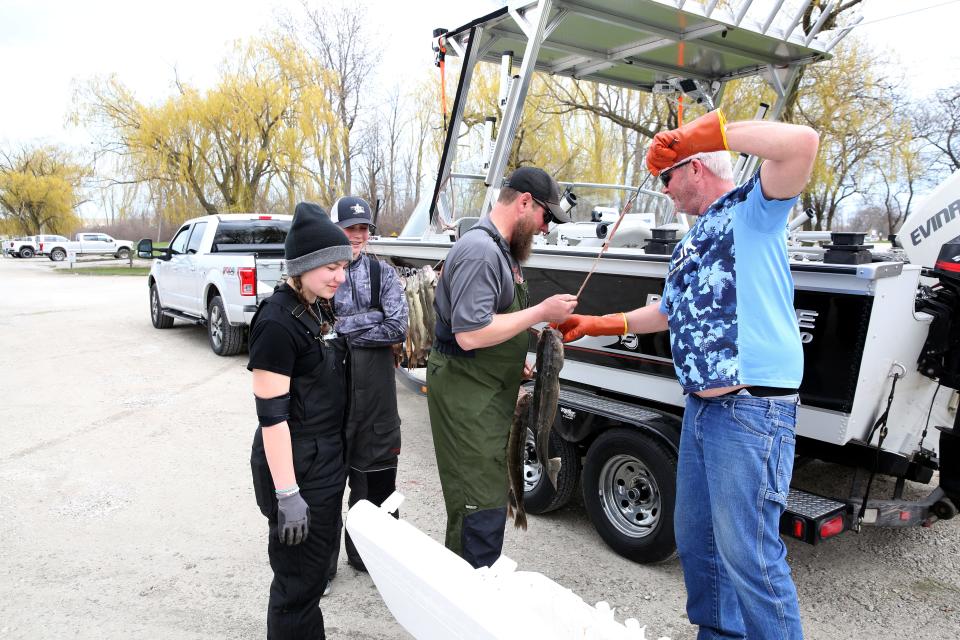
[[350, 210], [541, 186]]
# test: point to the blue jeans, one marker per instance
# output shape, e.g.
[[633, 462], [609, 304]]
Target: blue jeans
[[733, 477]]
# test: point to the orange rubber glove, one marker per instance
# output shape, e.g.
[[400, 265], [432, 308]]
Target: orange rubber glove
[[577, 326], [706, 133]]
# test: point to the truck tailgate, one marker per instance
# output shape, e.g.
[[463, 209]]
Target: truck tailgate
[[269, 274]]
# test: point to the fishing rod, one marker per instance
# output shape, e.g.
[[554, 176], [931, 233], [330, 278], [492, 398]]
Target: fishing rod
[[606, 243]]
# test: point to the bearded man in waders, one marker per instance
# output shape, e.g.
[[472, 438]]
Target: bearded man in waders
[[477, 361]]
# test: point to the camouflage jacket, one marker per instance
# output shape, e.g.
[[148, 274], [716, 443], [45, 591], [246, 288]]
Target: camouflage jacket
[[363, 326]]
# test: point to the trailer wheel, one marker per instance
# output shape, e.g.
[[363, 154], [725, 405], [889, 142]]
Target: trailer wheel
[[122, 253], [225, 339], [539, 494], [26, 252], [629, 491], [159, 319], [58, 255]]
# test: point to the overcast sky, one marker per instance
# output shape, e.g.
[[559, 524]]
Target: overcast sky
[[49, 45]]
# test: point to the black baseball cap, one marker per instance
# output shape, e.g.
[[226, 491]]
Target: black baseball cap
[[541, 186], [350, 210]]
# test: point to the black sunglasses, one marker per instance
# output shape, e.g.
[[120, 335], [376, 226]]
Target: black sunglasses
[[548, 216], [666, 175]]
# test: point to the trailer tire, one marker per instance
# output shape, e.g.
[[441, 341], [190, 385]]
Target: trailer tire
[[157, 317], [58, 255], [26, 252], [629, 491], [539, 495], [122, 253], [225, 339]]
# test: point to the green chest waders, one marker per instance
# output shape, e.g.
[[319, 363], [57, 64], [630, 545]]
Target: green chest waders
[[471, 402]]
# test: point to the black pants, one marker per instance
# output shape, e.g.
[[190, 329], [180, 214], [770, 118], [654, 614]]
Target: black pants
[[375, 486], [299, 571], [482, 536]]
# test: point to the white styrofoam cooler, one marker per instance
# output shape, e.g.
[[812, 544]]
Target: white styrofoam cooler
[[435, 595]]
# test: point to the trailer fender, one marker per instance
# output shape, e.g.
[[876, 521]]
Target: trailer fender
[[584, 416]]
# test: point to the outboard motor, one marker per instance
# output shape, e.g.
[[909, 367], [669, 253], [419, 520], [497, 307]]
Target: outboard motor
[[940, 360], [940, 357]]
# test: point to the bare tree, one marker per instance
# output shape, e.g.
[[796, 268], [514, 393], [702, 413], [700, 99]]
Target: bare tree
[[393, 130], [371, 149], [937, 122], [340, 39]]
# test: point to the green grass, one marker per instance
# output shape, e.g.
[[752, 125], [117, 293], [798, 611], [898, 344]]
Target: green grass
[[108, 271], [160, 245]]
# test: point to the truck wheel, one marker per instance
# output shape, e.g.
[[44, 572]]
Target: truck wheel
[[160, 321], [26, 252], [225, 339], [539, 494], [629, 491], [123, 253], [58, 255]]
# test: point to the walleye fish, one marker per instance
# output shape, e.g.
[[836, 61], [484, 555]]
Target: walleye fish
[[419, 289], [428, 288], [546, 393], [516, 456], [414, 331], [427, 281]]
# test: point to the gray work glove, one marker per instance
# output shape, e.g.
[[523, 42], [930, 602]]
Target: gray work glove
[[293, 519]]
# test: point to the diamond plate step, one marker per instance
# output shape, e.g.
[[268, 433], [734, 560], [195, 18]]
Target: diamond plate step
[[812, 506], [605, 406]]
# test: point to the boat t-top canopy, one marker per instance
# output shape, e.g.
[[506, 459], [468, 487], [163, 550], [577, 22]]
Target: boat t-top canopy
[[640, 44], [688, 47]]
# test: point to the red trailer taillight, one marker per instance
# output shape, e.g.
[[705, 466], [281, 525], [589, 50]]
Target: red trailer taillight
[[831, 527]]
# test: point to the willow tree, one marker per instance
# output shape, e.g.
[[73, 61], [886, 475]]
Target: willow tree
[[40, 189], [226, 144]]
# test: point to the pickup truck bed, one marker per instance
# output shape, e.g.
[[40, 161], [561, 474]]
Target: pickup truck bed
[[215, 272]]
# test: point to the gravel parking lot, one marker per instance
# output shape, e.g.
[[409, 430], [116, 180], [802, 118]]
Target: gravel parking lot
[[126, 507]]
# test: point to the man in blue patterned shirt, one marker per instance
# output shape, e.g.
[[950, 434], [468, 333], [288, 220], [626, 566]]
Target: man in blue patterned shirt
[[728, 303]]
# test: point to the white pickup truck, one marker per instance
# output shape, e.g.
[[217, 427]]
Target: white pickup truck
[[21, 247], [215, 272], [86, 244]]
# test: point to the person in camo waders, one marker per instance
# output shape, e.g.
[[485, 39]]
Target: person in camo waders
[[372, 316], [475, 368], [299, 367]]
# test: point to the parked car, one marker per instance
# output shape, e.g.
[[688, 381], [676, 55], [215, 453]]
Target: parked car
[[46, 243], [215, 272], [25, 247], [87, 244]]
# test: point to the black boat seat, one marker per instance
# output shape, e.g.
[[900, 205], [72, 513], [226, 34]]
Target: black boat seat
[[462, 225]]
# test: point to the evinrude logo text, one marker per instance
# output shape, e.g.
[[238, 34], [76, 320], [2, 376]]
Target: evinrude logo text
[[935, 222]]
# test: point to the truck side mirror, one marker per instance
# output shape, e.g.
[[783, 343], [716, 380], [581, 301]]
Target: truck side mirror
[[145, 250]]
